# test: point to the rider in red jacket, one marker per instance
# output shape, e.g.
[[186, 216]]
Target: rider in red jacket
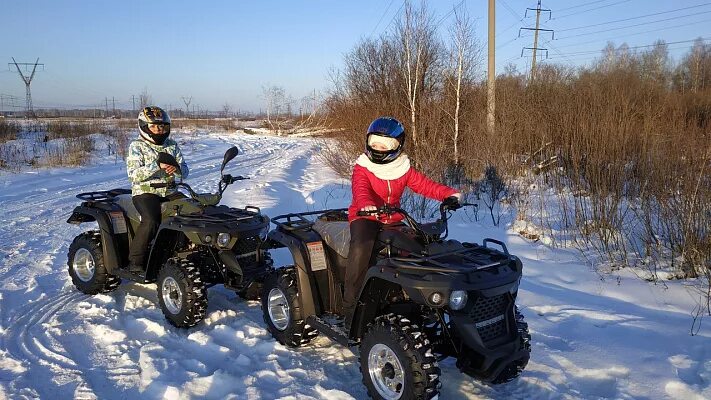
[[380, 177]]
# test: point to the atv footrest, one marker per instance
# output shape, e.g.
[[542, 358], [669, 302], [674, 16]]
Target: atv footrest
[[332, 331]]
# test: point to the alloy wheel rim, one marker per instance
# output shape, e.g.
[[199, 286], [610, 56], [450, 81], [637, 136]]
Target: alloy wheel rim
[[84, 265], [172, 295], [278, 309], [386, 372]]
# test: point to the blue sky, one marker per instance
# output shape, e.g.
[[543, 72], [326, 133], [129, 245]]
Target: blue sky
[[225, 51]]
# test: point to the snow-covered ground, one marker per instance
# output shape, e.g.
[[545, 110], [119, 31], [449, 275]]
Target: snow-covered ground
[[615, 338]]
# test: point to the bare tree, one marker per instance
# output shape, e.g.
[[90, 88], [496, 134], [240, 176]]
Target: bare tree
[[277, 101], [694, 71], [463, 55], [418, 52]]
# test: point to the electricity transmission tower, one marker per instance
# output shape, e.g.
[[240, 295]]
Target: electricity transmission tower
[[535, 30], [29, 112], [187, 105]]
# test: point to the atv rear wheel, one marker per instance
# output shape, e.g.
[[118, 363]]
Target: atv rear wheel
[[396, 360], [181, 293], [86, 265], [514, 369], [280, 306]]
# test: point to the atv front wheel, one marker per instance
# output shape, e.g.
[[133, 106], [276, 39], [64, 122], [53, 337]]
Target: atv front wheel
[[396, 360], [181, 293], [86, 265], [280, 306]]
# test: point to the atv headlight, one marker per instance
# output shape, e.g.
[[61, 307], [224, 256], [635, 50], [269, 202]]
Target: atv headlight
[[223, 239], [458, 299], [436, 298]]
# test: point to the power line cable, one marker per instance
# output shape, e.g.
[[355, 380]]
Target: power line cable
[[449, 13], [582, 5], [520, 19], [632, 26], [639, 47], [638, 33], [395, 16], [592, 9], [381, 17], [590, 56], [549, 44], [514, 13], [633, 18]]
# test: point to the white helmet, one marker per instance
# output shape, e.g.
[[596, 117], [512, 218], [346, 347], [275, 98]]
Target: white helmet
[[155, 116]]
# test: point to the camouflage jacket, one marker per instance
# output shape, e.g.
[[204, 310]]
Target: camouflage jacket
[[143, 170]]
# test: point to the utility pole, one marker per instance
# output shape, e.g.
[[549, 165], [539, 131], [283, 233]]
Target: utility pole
[[187, 104], [133, 103], [29, 112], [535, 30], [491, 74], [113, 105]]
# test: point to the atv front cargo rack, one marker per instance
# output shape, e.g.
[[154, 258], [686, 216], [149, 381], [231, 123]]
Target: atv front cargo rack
[[474, 257]]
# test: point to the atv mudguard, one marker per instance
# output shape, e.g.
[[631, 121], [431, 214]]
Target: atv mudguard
[[305, 285], [109, 245]]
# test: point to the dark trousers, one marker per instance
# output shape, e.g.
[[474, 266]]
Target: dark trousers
[[360, 258], [148, 205]]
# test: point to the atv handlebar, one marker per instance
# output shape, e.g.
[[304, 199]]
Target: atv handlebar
[[229, 179], [389, 210], [225, 179]]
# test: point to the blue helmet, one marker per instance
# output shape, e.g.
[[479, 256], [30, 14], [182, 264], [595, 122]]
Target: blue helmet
[[390, 129]]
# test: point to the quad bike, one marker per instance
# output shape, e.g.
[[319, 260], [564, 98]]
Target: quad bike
[[424, 299], [199, 244]]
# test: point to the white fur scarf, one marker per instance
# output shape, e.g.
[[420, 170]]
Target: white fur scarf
[[392, 170]]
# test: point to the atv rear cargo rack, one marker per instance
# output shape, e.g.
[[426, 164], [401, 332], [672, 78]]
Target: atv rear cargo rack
[[297, 222], [102, 195]]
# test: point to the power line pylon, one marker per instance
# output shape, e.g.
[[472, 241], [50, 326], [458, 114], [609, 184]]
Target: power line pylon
[[29, 111], [535, 30], [187, 105]]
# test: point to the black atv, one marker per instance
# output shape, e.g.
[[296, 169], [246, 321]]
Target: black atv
[[199, 244], [425, 299]]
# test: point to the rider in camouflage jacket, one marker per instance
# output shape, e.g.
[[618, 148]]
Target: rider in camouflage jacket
[[151, 173], [143, 169]]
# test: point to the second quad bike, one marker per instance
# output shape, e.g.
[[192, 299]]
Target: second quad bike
[[199, 244], [424, 299]]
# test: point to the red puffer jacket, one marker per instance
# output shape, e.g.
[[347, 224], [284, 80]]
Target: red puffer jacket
[[369, 190]]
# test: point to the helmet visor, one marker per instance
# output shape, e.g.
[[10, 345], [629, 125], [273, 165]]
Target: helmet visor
[[159, 128], [382, 143]]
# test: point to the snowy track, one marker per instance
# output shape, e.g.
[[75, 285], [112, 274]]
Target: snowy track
[[591, 339]]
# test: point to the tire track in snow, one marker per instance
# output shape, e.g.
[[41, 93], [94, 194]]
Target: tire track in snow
[[26, 340]]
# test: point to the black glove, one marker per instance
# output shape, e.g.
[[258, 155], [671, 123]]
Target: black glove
[[165, 158], [451, 203]]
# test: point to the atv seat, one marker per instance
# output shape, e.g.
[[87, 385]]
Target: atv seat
[[336, 234], [125, 201]]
